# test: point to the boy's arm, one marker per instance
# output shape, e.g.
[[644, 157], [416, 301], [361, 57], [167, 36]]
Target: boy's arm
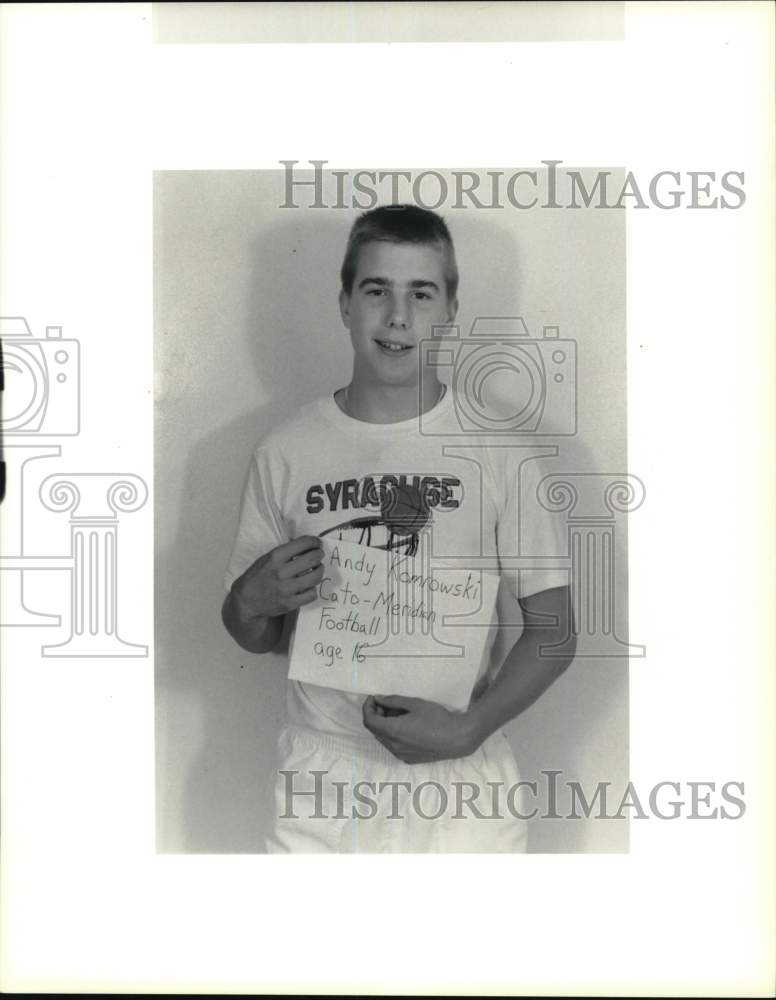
[[526, 673], [281, 580], [255, 633], [426, 731]]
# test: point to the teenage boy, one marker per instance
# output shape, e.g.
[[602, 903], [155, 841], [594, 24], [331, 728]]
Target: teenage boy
[[385, 772]]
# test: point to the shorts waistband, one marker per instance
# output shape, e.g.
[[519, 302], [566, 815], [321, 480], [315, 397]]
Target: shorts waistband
[[352, 747]]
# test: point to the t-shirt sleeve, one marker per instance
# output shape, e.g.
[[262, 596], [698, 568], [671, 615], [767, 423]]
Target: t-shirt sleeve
[[260, 527], [528, 535]]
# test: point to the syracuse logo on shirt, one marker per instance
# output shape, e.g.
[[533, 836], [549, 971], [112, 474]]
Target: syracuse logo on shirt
[[400, 507]]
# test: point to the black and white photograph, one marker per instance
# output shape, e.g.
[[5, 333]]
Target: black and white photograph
[[386, 436], [447, 386]]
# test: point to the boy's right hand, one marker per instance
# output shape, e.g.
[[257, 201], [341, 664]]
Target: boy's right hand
[[281, 580]]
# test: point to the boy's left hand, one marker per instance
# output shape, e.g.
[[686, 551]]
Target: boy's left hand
[[418, 731]]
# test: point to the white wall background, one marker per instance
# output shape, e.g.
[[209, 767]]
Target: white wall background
[[246, 329]]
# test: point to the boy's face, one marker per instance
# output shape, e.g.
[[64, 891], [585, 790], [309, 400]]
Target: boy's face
[[399, 294]]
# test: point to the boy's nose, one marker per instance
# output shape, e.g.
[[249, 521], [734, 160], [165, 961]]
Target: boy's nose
[[397, 318]]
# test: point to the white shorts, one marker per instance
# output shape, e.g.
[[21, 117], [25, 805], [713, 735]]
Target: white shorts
[[342, 795]]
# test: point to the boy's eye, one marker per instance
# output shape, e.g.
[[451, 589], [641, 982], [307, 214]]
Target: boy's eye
[[422, 295], [375, 291]]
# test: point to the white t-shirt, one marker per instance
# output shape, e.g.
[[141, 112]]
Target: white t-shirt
[[324, 470]]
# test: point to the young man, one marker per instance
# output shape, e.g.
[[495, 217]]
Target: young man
[[325, 471]]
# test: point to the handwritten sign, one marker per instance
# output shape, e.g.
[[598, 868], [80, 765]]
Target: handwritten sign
[[385, 623]]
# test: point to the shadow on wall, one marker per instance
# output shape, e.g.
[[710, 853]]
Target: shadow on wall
[[219, 709], [218, 706], [579, 727]]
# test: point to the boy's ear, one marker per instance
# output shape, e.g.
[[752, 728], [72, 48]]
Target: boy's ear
[[344, 304]]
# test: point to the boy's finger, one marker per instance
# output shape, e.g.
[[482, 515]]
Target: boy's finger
[[299, 545], [301, 565], [304, 597], [398, 702], [374, 720]]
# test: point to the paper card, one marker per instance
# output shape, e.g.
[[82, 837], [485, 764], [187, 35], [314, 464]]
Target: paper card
[[386, 623]]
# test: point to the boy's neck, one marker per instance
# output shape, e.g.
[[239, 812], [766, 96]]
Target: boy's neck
[[389, 404]]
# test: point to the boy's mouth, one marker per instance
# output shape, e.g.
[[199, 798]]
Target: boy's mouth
[[390, 347]]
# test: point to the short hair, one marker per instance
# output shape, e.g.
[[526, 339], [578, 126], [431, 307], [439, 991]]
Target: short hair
[[400, 224]]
